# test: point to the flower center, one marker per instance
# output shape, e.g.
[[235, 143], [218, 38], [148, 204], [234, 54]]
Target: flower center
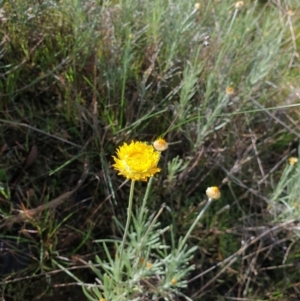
[[135, 162]]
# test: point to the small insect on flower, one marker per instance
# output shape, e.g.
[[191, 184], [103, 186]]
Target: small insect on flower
[[293, 160], [160, 144], [136, 161], [213, 192]]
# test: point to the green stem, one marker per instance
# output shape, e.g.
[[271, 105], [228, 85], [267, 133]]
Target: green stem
[[232, 21], [145, 199], [194, 224], [129, 212]]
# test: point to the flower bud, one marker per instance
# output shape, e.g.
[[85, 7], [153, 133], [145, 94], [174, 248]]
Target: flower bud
[[293, 160], [239, 4], [160, 144], [197, 5], [229, 90], [213, 192]]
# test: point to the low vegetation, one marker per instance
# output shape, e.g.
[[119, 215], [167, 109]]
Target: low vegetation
[[218, 81]]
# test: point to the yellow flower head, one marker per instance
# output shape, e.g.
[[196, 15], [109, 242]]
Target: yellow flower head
[[136, 161], [293, 160], [239, 4], [174, 281], [229, 90], [213, 192], [160, 144], [149, 265], [197, 5]]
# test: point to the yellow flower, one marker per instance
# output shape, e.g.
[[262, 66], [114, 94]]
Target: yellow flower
[[136, 161], [160, 144], [174, 281], [102, 299], [197, 5], [293, 160], [213, 192], [229, 90], [149, 265]]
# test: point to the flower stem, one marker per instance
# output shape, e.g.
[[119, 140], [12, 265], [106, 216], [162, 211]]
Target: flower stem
[[145, 199], [232, 21], [194, 224], [129, 212]]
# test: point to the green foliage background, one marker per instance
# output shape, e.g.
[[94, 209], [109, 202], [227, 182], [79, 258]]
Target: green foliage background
[[79, 78]]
